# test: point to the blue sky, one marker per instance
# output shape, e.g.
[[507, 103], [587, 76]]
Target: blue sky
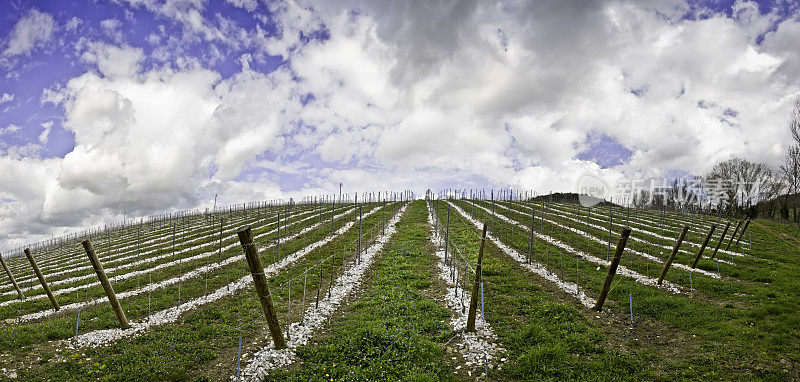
[[141, 106]]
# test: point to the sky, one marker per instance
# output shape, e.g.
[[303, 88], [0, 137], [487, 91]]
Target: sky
[[138, 107]]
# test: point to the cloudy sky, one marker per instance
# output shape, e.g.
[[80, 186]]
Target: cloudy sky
[[143, 106]]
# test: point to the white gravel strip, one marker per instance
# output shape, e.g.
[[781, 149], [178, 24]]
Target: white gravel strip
[[165, 283], [157, 267], [156, 239], [268, 358], [59, 263], [170, 315], [480, 347], [560, 213], [539, 269], [124, 257], [621, 270], [601, 241]]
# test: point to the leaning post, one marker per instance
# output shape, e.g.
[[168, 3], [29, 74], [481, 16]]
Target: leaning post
[[473, 302], [101, 274], [738, 225], [41, 278], [262, 289], [612, 269], [703, 247], [721, 238], [672, 255], [11, 277], [747, 223]]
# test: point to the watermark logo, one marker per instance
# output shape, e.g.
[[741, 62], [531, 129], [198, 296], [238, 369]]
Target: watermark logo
[[592, 190]]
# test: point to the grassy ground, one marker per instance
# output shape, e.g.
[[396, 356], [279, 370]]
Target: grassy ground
[[546, 332], [395, 330], [745, 326], [202, 343]]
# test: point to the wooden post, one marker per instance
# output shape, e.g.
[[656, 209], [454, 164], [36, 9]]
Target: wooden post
[[672, 255], [530, 240], [41, 278], [719, 243], [612, 268], [747, 223], [101, 274], [734, 235], [11, 277], [703, 247], [260, 281], [447, 236], [473, 302]]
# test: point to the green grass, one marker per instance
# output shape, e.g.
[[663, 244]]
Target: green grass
[[738, 327], [395, 331], [743, 327], [203, 338], [546, 338]]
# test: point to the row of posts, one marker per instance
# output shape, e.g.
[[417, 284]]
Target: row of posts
[[614, 262], [251, 253]]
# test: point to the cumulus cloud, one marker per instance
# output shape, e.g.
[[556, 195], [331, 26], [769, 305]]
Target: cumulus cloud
[[113, 61], [44, 137], [73, 24], [387, 94], [33, 30], [12, 128], [249, 5]]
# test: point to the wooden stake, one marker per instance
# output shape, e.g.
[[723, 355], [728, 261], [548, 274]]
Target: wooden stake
[[703, 247], [719, 243], [473, 302], [101, 274], [262, 289], [747, 223], [612, 268], [11, 276], [734, 235], [41, 279], [672, 255]]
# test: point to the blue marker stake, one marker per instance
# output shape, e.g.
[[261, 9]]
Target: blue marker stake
[[239, 358], [482, 316], [630, 299], [718, 274], [691, 287], [77, 322]]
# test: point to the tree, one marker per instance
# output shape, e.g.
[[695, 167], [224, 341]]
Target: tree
[[743, 183], [791, 169], [794, 121]]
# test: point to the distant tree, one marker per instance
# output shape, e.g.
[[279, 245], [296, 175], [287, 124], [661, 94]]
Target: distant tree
[[681, 194], [744, 183], [794, 121], [791, 169]]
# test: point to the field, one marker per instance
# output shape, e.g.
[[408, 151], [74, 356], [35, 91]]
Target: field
[[383, 290]]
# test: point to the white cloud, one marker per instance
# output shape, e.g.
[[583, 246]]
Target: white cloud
[[73, 24], [6, 98], [408, 94], [111, 27], [10, 129], [113, 61], [249, 5], [44, 137], [33, 30]]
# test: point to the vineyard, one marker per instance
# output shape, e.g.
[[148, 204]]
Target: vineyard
[[384, 286]]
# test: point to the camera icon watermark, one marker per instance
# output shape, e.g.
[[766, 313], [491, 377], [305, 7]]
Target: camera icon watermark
[[592, 190]]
